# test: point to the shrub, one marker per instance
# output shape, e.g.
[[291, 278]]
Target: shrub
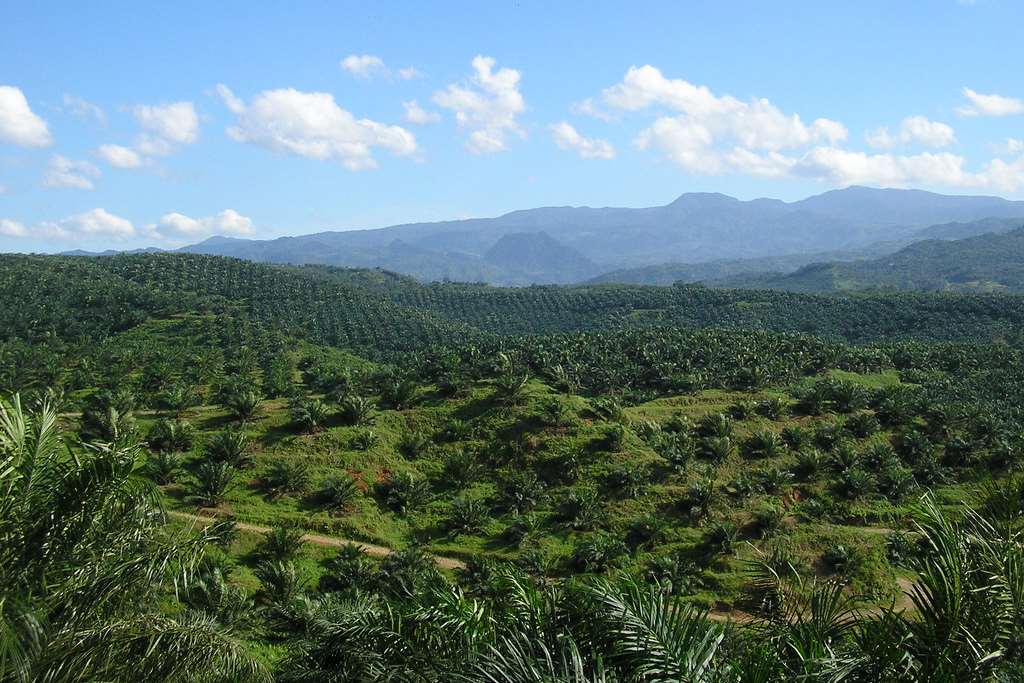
[[280, 582], [462, 467], [228, 446], [716, 448], [838, 558], [768, 520], [796, 438], [862, 425], [287, 476], [699, 497], [244, 404], [213, 481], [467, 515], [521, 491], [598, 553], [404, 492], [524, 528], [827, 435], [808, 463], [413, 444], [171, 436], [854, 482], [674, 573], [715, 425], [309, 415], [349, 570], [356, 411], [163, 466], [774, 480], [364, 440], [281, 543], [741, 410], [763, 444], [338, 491], [628, 481], [614, 438], [722, 538], [773, 408], [581, 508]]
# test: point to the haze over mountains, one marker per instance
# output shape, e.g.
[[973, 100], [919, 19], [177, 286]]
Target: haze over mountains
[[699, 236]]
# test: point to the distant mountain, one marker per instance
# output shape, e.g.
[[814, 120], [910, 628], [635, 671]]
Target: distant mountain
[[539, 258], [760, 269], [713, 235], [110, 252], [993, 261]]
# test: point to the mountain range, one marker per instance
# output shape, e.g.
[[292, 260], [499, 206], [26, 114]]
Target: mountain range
[[699, 236]]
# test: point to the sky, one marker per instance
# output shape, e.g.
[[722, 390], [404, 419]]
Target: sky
[[127, 124]]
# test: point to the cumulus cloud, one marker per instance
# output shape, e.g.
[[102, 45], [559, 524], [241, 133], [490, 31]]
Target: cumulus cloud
[[176, 123], [312, 125], [913, 129], [708, 128], [70, 173], [9, 228], [989, 105], [18, 124], [370, 66], [1010, 147], [568, 138], [363, 66], [119, 157], [84, 109], [94, 223], [587, 107], [414, 113], [487, 104], [179, 226]]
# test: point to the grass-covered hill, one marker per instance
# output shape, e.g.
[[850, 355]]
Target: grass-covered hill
[[532, 469]]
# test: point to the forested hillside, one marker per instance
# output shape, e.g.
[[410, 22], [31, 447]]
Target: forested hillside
[[989, 262], [321, 474]]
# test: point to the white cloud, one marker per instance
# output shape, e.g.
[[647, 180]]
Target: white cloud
[[9, 228], [487, 104], [18, 124], [414, 113], [179, 226], [990, 105], [364, 66], [370, 66], [913, 129], [312, 125], [70, 173], [175, 123], [94, 223], [846, 167], [708, 127], [1010, 147], [84, 109], [588, 108], [119, 157], [568, 138]]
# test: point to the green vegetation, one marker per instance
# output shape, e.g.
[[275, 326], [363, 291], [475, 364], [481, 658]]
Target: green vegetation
[[578, 484]]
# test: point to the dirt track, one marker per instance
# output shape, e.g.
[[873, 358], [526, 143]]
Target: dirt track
[[328, 541]]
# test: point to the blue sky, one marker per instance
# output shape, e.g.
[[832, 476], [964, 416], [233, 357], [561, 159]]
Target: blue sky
[[123, 124]]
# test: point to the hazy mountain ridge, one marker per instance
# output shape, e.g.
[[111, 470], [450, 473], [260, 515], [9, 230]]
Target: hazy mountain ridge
[[571, 244], [993, 261]]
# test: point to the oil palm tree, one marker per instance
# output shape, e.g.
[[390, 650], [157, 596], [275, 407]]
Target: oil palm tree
[[84, 560]]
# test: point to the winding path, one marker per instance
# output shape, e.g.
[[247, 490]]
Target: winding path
[[317, 539]]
